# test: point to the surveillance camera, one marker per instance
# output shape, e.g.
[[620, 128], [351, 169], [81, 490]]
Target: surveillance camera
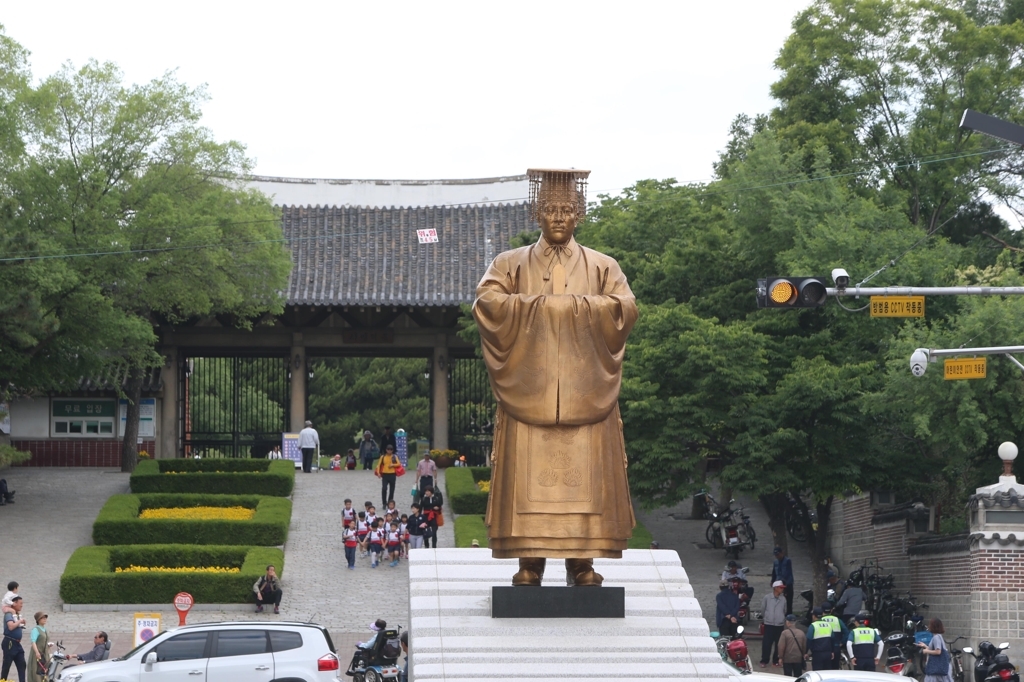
[[919, 362], [841, 278]]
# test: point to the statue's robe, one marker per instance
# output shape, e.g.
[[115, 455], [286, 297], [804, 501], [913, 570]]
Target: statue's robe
[[558, 483]]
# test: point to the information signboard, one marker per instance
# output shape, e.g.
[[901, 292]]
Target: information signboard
[[965, 368], [147, 626], [897, 306], [290, 448], [402, 443]]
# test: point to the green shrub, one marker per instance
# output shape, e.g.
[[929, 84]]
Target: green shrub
[[463, 494], [641, 537], [226, 465], [277, 479], [11, 455], [89, 576], [118, 522], [468, 528], [480, 473]]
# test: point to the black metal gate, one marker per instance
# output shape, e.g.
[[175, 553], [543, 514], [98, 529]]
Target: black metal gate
[[471, 410], [233, 406]]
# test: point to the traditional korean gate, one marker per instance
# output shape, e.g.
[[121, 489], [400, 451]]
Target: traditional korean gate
[[471, 410], [233, 406]]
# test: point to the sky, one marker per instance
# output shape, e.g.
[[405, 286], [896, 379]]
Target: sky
[[418, 90]]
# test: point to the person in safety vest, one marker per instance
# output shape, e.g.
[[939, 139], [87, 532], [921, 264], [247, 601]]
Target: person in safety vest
[[864, 645], [819, 641], [839, 633]]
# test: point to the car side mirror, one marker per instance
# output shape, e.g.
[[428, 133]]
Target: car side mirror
[[1004, 645], [150, 658]]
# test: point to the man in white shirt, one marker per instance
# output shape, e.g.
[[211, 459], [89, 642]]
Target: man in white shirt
[[309, 441]]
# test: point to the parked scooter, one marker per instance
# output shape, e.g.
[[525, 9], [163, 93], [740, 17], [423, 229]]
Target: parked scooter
[[990, 665], [733, 651]]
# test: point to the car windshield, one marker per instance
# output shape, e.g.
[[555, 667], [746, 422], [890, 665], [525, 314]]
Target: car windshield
[[161, 636]]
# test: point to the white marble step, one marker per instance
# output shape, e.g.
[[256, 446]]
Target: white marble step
[[532, 643], [480, 605]]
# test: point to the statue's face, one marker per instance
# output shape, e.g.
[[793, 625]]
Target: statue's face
[[557, 221]]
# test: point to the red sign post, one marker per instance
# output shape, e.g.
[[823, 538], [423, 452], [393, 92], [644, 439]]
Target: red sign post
[[183, 602]]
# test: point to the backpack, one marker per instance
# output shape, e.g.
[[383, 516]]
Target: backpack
[[392, 648]]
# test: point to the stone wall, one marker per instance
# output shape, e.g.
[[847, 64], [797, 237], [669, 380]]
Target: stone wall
[[942, 579]]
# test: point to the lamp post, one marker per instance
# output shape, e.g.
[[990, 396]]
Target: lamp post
[[1007, 453]]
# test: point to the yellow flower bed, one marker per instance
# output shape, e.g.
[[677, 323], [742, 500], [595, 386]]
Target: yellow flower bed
[[199, 513], [485, 486], [180, 569]]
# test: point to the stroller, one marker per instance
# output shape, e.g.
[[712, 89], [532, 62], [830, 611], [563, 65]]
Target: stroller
[[379, 663]]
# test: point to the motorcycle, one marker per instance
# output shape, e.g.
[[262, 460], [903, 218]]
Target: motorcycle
[[736, 531], [733, 651], [990, 665], [57, 659], [902, 654]]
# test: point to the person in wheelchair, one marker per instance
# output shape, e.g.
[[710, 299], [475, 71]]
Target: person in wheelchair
[[380, 653]]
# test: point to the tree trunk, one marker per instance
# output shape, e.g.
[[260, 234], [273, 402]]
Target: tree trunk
[[129, 446], [776, 504], [819, 550]]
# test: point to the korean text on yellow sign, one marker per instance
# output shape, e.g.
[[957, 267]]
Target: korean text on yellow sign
[[897, 306], [965, 368]]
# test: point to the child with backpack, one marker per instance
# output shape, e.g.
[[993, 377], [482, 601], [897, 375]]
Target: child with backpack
[[403, 528], [394, 543], [362, 529], [348, 536], [375, 539]]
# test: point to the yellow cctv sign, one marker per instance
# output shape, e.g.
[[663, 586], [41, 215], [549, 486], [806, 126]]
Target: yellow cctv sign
[[897, 306], [965, 368]]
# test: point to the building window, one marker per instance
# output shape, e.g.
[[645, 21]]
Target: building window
[[82, 418]]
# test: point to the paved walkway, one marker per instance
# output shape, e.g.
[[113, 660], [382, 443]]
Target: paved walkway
[[56, 507]]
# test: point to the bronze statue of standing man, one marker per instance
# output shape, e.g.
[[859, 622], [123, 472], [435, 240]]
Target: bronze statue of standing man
[[553, 320]]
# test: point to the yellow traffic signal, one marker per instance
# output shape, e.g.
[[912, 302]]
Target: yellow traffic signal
[[791, 292]]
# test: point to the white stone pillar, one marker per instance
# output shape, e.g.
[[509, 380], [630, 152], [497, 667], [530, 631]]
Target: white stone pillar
[[297, 367], [439, 393]]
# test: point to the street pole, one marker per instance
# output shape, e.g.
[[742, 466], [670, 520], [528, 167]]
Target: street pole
[[858, 291]]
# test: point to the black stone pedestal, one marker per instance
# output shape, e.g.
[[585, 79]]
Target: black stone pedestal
[[558, 602]]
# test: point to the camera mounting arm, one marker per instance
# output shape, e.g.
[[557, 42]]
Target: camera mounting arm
[[922, 356]]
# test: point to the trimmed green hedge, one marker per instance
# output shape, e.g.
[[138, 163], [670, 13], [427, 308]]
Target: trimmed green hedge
[[463, 494], [215, 476], [118, 522], [480, 473], [89, 576], [468, 528]]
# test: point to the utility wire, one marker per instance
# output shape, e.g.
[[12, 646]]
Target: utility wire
[[794, 180]]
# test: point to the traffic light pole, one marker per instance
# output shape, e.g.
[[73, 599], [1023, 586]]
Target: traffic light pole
[[932, 354], [925, 291]]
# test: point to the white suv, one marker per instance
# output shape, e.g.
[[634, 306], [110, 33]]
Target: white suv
[[222, 652]]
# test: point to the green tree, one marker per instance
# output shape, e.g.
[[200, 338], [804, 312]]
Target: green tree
[[130, 205]]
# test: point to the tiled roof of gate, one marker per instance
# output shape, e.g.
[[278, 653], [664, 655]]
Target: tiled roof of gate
[[372, 256]]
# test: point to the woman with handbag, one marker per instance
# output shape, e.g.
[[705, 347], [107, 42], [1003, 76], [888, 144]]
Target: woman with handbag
[[937, 667], [387, 472]]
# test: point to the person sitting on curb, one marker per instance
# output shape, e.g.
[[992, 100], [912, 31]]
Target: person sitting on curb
[[268, 590], [99, 652]]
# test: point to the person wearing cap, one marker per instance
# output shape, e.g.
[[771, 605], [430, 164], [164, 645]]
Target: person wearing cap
[[864, 645], [733, 571], [39, 653], [386, 470], [773, 606], [655, 544], [839, 632], [474, 543], [727, 609], [368, 450], [782, 569], [376, 627], [833, 583], [792, 648], [14, 627], [819, 636], [309, 441]]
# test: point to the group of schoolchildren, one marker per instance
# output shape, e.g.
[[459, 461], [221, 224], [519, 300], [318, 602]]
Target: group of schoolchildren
[[382, 538]]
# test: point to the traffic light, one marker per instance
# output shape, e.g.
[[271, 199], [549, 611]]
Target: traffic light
[[791, 292]]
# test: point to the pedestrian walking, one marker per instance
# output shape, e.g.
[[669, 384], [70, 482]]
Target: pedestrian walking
[[937, 667], [309, 442], [432, 504], [388, 438], [773, 608], [386, 470], [368, 450], [426, 470], [14, 628], [792, 648], [782, 569], [268, 590], [39, 652], [418, 522]]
